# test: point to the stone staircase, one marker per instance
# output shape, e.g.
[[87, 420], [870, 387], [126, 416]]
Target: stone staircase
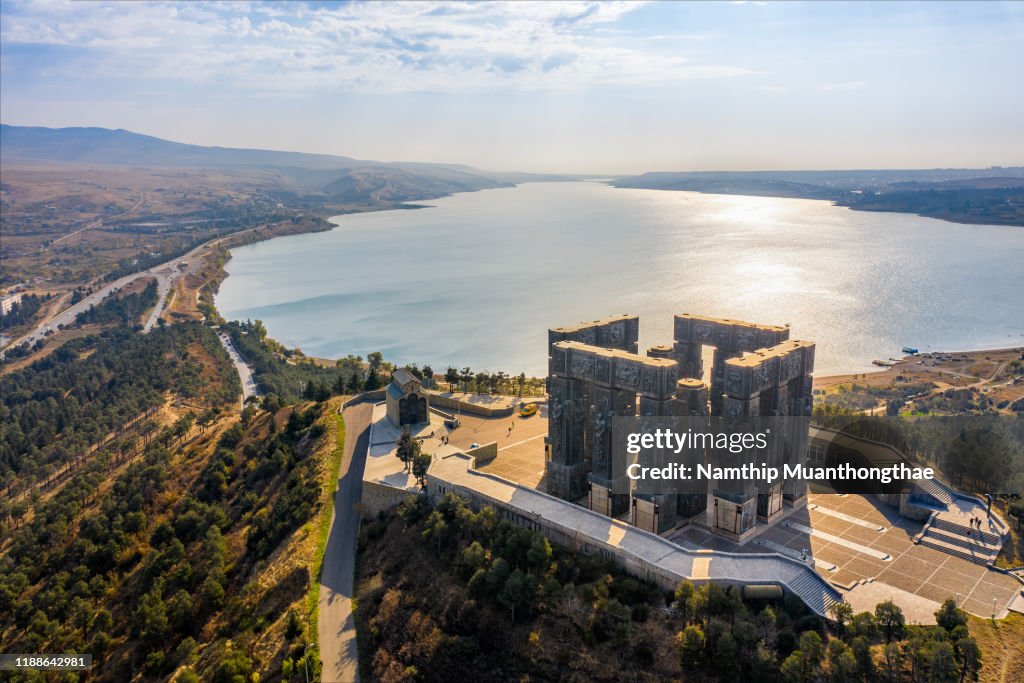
[[973, 545], [936, 490], [814, 591]]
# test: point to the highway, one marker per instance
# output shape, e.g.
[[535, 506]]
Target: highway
[[166, 275], [336, 624]]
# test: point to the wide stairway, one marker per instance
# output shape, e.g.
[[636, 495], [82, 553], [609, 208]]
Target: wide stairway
[[815, 591], [954, 538], [936, 490]]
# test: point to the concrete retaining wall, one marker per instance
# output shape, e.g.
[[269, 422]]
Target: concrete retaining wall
[[380, 497], [470, 408], [375, 396], [485, 453]]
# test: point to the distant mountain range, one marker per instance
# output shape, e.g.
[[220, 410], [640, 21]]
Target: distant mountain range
[[992, 195], [336, 178]]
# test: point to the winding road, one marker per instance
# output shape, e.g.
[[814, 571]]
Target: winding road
[[165, 274], [245, 373], [336, 624]]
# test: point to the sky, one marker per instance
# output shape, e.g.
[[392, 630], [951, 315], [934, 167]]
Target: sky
[[574, 87]]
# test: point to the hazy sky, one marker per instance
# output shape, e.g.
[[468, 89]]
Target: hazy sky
[[572, 86]]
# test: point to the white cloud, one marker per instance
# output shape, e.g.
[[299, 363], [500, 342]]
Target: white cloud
[[380, 47]]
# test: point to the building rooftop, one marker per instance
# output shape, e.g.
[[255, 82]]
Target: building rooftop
[[594, 323], [759, 356], [616, 353], [401, 377], [733, 323]]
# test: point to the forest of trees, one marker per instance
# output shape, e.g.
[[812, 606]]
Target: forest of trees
[[58, 409], [285, 374], [149, 583], [125, 309], [452, 593]]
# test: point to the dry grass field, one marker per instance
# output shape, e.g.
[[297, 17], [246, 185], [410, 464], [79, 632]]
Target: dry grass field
[[65, 224]]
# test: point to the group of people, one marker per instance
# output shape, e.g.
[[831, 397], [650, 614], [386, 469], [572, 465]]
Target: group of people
[[975, 524]]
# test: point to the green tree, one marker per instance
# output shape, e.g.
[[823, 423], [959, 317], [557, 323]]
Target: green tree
[[842, 613], [804, 664], [842, 665], [375, 361], [408, 448], [942, 664], [179, 611], [185, 653], [890, 619], [498, 573], [293, 625], [436, 529], [474, 557], [151, 622], [516, 592], [727, 657], [766, 626], [477, 585], [949, 616], [420, 465], [690, 642], [863, 624], [211, 593], [894, 659], [539, 554], [968, 656], [685, 594], [861, 649]]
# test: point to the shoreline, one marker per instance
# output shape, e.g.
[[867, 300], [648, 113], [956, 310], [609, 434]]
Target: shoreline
[[951, 368]]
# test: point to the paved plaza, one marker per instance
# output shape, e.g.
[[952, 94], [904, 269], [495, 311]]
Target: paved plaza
[[520, 450], [864, 547]]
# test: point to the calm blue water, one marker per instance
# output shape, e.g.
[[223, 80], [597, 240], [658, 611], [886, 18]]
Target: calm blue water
[[477, 278]]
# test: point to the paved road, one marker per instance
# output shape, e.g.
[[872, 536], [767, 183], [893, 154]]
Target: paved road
[[337, 626], [165, 274], [244, 371]]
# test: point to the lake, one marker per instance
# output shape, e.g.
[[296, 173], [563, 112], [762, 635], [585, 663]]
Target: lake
[[477, 278]]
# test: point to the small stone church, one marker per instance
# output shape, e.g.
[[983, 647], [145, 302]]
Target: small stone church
[[407, 403]]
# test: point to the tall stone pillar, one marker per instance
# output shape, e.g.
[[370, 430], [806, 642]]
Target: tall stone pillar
[[566, 465]]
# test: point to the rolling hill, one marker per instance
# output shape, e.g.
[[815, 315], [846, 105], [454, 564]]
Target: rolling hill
[[335, 178]]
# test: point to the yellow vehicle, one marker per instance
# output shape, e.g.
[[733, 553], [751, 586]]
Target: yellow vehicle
[[528, 410]]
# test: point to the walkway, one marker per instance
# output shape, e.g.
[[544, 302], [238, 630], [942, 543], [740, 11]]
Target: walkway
[[336, 625], [639, 552]]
